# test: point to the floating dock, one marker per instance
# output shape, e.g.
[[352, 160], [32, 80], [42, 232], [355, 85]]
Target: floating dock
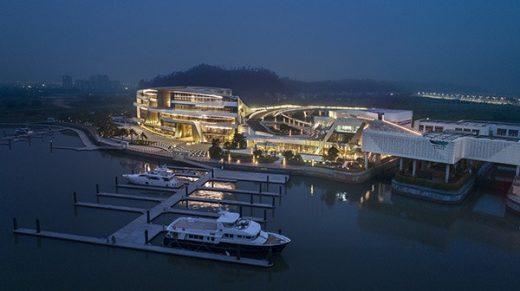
[[145, 247], [109, 207], [147, 188], [228, 202], [130, 197], [238, 191], [138, 234], [251, 176]]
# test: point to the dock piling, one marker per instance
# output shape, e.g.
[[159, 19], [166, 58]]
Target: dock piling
[[238, 253], [50, 144], [75, 197], [260, 188], [97, 188], [267, 181], [146, 236], [251, 199], [240, 210], [115, 186], [148, 216], [186, 190], [273, 201], [279, 231], [15, 224], [37, 226], [213, 173], [265, 215]]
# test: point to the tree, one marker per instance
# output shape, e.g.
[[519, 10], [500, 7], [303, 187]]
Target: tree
[[215, 152], [122, 132], [332, 153], [228, 145], [132, 132], [257, 153], [288, 155], [239, 140]]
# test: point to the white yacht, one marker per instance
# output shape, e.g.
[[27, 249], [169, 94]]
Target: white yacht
[[228, 232], [23, 131], [159, 177]]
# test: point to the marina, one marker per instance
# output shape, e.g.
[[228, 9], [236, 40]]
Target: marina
[[138, 233], [373, 225]]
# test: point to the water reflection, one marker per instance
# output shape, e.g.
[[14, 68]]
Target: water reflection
[[481, 217]]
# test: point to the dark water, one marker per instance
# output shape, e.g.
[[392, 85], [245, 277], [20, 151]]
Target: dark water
[[349, 237]]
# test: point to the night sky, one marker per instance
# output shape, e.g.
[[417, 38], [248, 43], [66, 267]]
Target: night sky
[[473, 42]]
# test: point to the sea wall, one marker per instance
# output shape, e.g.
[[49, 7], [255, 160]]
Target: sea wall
[[432, 194]]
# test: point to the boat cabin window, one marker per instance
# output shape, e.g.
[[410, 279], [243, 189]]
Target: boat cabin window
[[194, 236], [153, 178], [228, 235]]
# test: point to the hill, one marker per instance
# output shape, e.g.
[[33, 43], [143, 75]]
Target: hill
[[262, 86]]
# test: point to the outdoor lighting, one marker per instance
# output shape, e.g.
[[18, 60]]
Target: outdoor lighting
[[238, 161]]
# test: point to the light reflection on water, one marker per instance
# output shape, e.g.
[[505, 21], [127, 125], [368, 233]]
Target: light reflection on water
[[358, 237]]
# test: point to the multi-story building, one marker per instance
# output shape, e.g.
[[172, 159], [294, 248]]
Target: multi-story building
[[198, 114]]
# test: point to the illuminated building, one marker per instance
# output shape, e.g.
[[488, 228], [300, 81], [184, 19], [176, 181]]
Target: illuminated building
[[198, 114]]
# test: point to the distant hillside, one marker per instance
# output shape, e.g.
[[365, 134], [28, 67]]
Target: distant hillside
[[262, 86], [243, 81]]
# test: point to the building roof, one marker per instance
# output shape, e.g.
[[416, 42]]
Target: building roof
[[473, 123]]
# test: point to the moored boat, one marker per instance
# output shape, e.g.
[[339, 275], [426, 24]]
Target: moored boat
[[229, 232], [159, 177], [23, 131]]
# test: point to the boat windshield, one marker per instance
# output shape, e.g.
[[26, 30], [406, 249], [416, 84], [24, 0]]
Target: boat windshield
[[242, 223]]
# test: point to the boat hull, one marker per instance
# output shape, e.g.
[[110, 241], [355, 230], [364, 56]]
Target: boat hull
[[223, 247], [143, 182]]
